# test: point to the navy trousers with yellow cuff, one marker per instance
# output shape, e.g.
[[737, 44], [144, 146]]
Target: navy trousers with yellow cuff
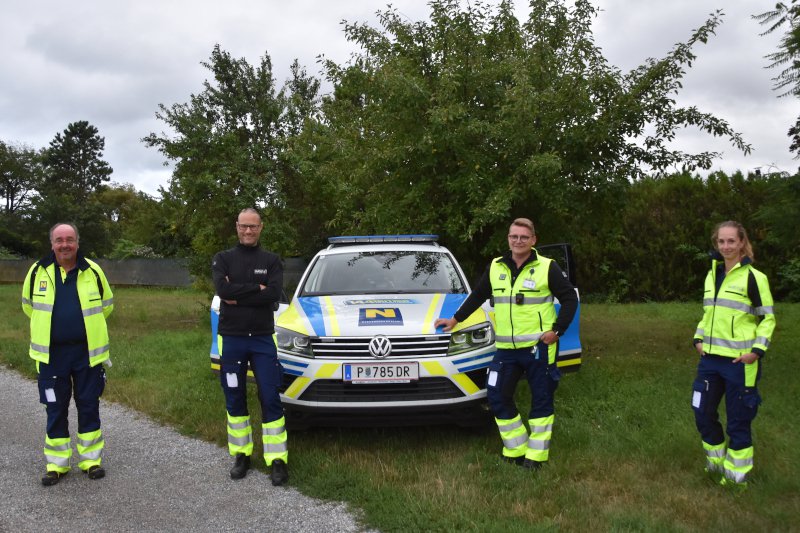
[[262, 354], [68, 373], [719, 376], [505, 371]]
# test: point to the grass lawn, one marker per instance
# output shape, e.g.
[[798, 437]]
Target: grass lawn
[[625, 454]]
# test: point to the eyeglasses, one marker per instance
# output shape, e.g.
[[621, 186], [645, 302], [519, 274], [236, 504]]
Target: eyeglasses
[[520, 238], [246, 227]]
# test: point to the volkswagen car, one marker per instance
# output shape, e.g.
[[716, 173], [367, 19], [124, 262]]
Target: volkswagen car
[[357, 340]]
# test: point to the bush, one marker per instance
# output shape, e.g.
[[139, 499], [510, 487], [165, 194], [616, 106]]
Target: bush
[[125, 249]]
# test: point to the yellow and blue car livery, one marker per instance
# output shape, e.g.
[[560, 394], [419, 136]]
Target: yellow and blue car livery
[[569, 345], [339, 329]]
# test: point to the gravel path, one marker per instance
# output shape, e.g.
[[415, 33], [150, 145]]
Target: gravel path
[[157, 480]]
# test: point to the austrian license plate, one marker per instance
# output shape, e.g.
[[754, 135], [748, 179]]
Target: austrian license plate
[[383, 372]]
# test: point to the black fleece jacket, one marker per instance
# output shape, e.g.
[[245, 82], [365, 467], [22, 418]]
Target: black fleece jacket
[[238, 274]]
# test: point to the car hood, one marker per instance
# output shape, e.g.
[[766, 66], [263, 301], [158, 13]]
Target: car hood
[[365, 316]]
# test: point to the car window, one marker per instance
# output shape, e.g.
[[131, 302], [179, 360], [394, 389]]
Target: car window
[[395, 272]]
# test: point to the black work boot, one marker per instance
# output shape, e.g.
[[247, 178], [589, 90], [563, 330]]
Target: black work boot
[[51, 478], [530, 464], [280, 472], [513, 460], [95, 472], [241, 466]]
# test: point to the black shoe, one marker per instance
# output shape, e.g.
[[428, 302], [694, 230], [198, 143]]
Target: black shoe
[[513, 460], [530, 464], [280, 472], [241, 466], [51, 478], [95, 472]]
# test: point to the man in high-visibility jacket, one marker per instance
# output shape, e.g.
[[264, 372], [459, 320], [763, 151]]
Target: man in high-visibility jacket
[[522, 285], [68, 298]]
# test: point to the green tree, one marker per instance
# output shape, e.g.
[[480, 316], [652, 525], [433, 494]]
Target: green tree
[[73, 161], [787, 57], [227, 149], [20, 175], [140, 224], [779, 215], [74, 170], [458, 124]]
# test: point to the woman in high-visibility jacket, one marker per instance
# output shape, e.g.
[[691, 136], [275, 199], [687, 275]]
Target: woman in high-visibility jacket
[[732, 338]]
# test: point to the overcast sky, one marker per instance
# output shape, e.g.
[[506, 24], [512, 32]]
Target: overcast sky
[[112, 63]]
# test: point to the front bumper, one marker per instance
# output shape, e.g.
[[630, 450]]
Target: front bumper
[[443, 382]]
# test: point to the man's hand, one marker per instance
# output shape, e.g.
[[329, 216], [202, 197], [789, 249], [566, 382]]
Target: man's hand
[[448, 323], [699, 347], [549, 337], [230, 302]]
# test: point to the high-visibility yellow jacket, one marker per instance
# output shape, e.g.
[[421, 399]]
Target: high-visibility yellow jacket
[[525, 310], [96, 298], [739, 317]]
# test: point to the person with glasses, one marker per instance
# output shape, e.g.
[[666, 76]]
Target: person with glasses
[[731, 340], [68, 298], [249, 280], [522, 286]]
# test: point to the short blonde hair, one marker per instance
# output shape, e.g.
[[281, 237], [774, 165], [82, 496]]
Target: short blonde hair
[[525, 223]]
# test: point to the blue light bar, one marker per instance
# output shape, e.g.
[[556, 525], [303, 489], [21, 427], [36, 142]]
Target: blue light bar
[[364, 239]]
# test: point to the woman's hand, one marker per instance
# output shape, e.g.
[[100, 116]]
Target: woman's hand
[[747, 358]]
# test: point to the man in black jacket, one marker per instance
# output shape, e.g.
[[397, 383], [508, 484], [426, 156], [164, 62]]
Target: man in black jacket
[[248, 280]]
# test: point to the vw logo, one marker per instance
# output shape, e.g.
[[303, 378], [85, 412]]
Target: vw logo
[[380, 346]]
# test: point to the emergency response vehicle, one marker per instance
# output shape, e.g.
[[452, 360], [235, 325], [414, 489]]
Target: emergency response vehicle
[[357, 340]]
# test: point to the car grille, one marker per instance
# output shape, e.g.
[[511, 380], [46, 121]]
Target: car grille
[[326, 390], [358, 347]]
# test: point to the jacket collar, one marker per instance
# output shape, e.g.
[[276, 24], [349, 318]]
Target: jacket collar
[[716, 258], [50, 259], [509, 261]]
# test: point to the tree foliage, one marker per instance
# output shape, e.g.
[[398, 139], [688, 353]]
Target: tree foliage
[[226, 148], [73, 162], [656, 246], [459, 124], [20, 175], [74, 171], [787, 57]]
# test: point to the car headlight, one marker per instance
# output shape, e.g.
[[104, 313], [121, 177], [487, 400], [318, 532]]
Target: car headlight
[[471, 338], [294, 343]]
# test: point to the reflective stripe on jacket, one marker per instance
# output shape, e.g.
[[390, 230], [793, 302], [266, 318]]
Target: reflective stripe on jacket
[[525, 310], [96, 298], [739, 318]]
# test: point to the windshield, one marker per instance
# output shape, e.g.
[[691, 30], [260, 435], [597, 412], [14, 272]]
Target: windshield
[[383, 272]]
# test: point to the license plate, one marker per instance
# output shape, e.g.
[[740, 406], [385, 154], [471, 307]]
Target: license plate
[[383, 372]]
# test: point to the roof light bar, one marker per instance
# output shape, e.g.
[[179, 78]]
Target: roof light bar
[[363, 239]]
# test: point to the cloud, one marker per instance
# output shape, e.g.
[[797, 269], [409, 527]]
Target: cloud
[[113, 63]]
